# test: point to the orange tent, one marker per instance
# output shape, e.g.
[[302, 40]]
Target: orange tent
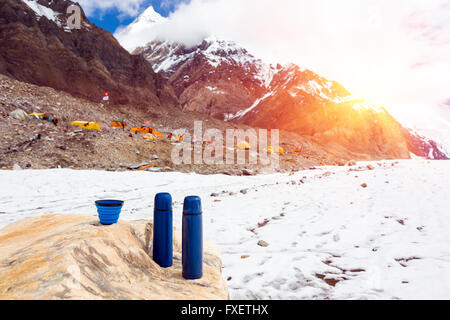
[[143, 130], [118, 124]]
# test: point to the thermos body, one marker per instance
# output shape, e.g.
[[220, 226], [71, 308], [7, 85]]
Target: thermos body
[[192, 242], [163, 230]]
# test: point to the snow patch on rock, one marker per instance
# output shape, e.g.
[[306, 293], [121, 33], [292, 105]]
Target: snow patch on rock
[[43, 11]]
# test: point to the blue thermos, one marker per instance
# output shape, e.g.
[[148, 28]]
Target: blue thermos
[[192, 254], [163, 230]]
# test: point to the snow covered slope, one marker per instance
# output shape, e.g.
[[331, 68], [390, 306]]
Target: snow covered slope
[[41, 10], [327, 236], [55, 11], [167, 57]]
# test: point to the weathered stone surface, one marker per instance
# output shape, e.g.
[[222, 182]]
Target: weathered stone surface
[[74, 257]]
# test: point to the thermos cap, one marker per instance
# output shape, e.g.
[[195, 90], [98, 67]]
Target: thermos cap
[[163, 202], [192, 205]]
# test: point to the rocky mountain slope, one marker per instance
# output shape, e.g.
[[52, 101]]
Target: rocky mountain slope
[[71, 67], [37, 46], [223, 80], [303, 102], [214, 81], [113, 149]]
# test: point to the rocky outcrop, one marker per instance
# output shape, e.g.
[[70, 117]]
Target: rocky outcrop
[[74, 257], [37, 46]]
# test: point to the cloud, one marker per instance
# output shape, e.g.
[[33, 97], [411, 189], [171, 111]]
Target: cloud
[[129, 8], [395, 53], [170, 4]]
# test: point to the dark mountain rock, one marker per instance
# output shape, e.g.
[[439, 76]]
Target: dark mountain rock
[[86, 62], [420, 145]]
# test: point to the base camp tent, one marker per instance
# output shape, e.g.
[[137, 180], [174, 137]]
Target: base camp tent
[[158, 134], [40, 116], [271, 151], [19, 114], [150, 137], [143, 129], [86, 125], [118, 124], [244, 145]]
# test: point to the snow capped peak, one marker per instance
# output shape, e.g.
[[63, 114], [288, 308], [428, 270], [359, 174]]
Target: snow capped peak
[[225, 51], [149, 16], [229, 50], [140, 30]]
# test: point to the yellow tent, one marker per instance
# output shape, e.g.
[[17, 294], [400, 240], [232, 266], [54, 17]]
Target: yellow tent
[[244, 145], [280, 150], [37, 115], [86, 125], [150, 137]]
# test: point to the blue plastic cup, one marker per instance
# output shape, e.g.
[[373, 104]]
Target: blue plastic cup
[[192, 242], [163, 230], [109, 211]]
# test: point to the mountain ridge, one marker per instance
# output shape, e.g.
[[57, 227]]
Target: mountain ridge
[[37, 46], [216, 77], [226, 82]]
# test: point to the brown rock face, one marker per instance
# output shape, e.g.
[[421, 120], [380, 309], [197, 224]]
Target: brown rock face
[[85, 62], [303, 102], [74, 257], [308, 104]]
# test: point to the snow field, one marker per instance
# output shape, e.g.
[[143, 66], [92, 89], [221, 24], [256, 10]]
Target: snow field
[[328, 237]]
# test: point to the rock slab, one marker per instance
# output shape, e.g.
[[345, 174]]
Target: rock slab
[[74, 257]]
